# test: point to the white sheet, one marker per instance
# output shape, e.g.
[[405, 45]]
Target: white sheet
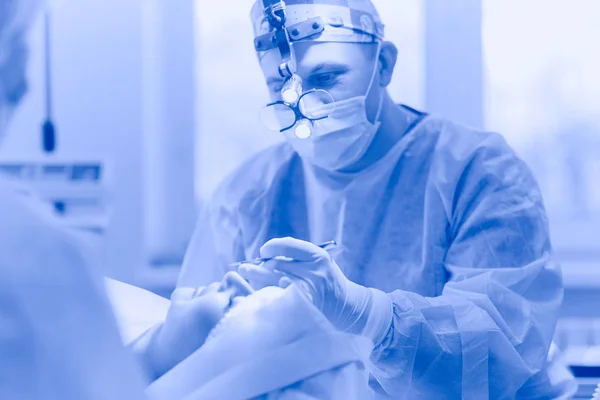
[[136, 309]]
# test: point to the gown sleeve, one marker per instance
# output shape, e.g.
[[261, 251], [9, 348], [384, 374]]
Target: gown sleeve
[[490, 330]]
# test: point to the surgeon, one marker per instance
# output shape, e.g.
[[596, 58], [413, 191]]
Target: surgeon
[[444, 258]]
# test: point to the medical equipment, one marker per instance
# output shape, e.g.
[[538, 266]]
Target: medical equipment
[[352, 22], [290, 110], [355, 21], [330, 245], [283, 115], [341, 140], [292, 89], [75, 191], [579, 340], [48, 128]]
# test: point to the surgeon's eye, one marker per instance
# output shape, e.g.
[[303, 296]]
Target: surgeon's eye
[[326, 80]]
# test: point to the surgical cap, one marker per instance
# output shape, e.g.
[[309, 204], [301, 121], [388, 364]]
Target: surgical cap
[[351, 21]]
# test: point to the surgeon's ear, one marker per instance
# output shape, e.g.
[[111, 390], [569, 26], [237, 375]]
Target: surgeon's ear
[[387, 59]]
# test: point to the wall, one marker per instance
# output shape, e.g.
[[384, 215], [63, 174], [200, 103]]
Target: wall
[[542, 94], [96, 59]]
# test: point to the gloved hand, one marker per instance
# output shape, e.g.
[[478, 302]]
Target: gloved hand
[[191, 317], [348, 306]]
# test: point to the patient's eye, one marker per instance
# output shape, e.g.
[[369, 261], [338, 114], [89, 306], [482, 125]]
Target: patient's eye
[[242, 312], [234, 311]]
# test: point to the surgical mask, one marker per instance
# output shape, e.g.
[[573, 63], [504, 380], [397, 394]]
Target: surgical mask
[[344, 137]]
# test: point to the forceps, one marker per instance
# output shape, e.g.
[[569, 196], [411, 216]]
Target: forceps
[[327, 246]]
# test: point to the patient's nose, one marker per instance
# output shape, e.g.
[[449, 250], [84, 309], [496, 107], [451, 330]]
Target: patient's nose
[[234, 283]]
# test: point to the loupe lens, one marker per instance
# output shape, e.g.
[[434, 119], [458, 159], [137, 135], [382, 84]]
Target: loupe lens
[[316, 104], [277, 117], [292, 89], [303, 129]]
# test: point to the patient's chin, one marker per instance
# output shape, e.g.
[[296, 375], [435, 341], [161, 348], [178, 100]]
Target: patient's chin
[[262, 322], [242, 317]]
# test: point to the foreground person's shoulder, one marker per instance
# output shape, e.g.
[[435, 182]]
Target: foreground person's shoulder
[[34, 245], [20, 212]]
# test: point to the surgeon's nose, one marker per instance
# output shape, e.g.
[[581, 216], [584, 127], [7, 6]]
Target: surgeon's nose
[[234, 283]]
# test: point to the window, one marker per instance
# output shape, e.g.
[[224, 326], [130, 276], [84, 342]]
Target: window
[[543, 93]]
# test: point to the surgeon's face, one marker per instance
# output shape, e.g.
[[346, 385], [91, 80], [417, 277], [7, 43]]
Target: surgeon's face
[[343, 69]]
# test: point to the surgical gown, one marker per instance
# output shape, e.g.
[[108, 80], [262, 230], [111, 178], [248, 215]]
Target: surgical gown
[[450, 222], [58, 337]]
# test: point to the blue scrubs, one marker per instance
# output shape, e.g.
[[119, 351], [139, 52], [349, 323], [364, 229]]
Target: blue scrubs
[[450, 222]]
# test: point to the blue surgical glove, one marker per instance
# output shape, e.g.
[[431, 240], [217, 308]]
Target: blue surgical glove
[[348, 306]]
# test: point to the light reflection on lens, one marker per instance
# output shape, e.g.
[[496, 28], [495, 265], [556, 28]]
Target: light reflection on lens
[[316, 104], [303, 129], [289, 96]]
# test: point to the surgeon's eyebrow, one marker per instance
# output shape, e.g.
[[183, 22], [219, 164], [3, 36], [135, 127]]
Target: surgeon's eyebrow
[[342, 68], [331, 66]]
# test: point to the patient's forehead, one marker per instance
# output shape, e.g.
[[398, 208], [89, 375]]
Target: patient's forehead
[[247, 313]]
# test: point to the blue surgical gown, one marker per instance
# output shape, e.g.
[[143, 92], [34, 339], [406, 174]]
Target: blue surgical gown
[[450, 222], [58, 336]]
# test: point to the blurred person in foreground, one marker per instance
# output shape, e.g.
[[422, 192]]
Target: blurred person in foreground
[[58, 336]]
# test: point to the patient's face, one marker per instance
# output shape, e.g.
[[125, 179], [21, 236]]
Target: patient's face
[[214, 301], [192, 316], [268, 319]]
